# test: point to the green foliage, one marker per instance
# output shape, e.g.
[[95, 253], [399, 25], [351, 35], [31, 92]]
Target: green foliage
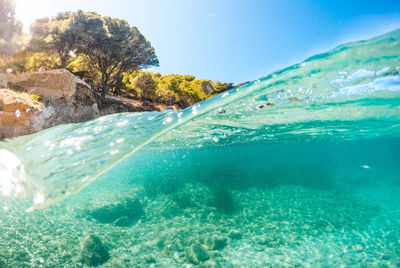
[[36, 60], [221, 87], [107, 52], [110, 46], [11, 36], [145, 86], [80, 67], [37, 97], [181, 90], [59, 35]]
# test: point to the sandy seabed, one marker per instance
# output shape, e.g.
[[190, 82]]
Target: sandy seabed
[[195, 225]]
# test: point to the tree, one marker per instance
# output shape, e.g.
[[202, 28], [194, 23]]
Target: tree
[[112, 47], [55, 36], [11, 36], [145, 83], [221, 87]]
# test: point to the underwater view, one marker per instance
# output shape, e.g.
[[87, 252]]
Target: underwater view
[[300, 168]]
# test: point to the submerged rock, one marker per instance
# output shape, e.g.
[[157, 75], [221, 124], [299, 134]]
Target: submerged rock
[[234, 234], [191, 196], [222, 199], [149, 259], [93, 251], [197, 254], [123, 213], [216, 242]]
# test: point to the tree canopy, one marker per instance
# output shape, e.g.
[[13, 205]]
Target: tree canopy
[[54, 36], [108, 52], [110, 45], [11, 36], [181, 90]]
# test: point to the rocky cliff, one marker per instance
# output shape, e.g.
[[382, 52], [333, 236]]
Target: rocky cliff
[[30, 102], [64, 98], [18, 113]]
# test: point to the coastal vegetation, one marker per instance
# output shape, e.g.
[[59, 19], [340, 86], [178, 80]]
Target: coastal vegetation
[[182, 90], [11, 35], [106, 52]]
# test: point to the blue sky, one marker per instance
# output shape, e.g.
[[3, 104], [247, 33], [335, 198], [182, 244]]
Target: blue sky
[[231, 40]]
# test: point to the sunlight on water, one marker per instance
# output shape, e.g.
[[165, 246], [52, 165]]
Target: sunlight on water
[[300, 167]]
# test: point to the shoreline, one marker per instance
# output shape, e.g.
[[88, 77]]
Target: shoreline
[[31, 102]]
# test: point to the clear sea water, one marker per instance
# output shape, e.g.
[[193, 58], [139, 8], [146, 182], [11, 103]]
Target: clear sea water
[[299, 168]]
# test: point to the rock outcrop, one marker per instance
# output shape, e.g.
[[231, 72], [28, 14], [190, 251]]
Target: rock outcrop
[[114, 104], [34, 101], [18, 113], [123, 213], [93, 251], [64, 99]]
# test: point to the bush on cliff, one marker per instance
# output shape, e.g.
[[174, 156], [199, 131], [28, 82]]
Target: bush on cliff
[[182, 90]]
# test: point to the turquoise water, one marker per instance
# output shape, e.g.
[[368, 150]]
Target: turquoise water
[[299, 168]]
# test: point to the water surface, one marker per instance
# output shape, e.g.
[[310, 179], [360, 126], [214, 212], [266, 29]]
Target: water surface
[[298, 168]]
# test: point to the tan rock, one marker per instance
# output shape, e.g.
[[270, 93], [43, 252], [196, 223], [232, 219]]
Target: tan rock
[[17, 111], [54, 84], [7, 118], [67, 99]]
